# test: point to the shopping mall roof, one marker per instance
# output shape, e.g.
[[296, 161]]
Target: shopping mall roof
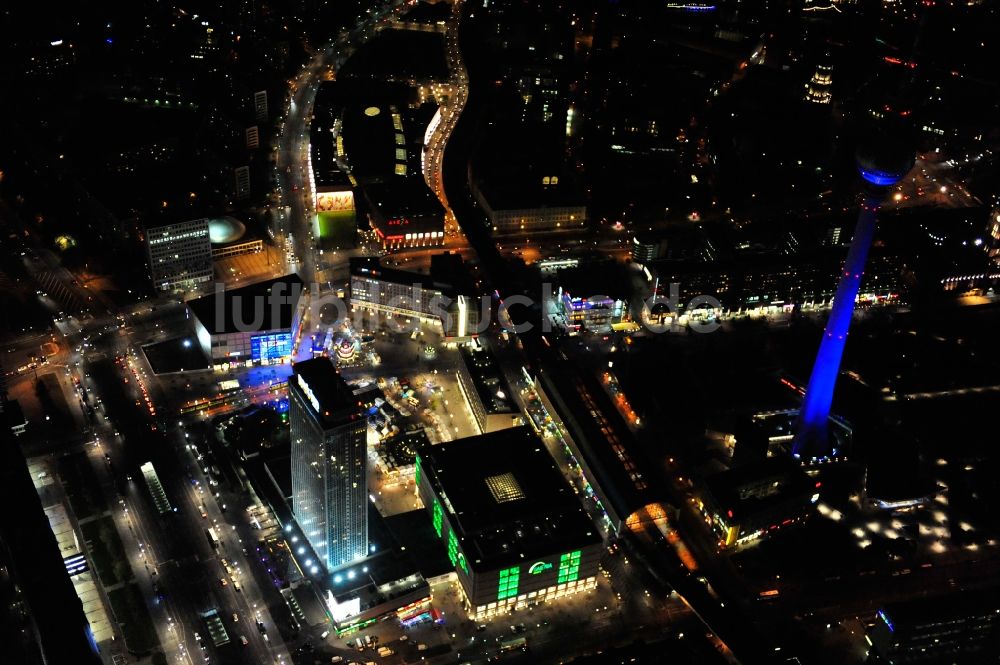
[[263, 306], [506, 499], [373, 138], [405, 205]]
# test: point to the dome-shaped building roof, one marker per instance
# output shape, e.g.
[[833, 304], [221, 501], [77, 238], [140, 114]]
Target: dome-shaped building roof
[[223, 230]]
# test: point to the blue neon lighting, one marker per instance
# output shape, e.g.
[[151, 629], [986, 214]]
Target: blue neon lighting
[[91, 640], [269, 347], [880, 178], [812, 438], [882, 615]]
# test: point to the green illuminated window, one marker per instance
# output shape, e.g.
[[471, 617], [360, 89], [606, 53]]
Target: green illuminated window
[[509, 580], [416, 472], [452, 548], [438, 517], [455, 554], [569, 567]]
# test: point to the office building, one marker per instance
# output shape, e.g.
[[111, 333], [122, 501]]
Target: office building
[[242, 175], [517, 210], [446, 298], [57, 629], [524, 183], [180, 255], [750, 502], [592, 298], [646, 249], [485, 389], [959, 628], [260, 105], [329, 452], [513, 527]]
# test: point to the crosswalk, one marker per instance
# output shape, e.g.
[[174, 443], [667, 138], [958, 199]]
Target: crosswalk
[[56, 289]]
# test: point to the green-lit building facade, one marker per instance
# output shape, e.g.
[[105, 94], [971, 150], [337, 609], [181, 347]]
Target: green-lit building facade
[[511, 524]]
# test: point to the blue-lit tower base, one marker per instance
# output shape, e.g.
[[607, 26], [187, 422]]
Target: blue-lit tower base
[[880, 167], [812, 440]]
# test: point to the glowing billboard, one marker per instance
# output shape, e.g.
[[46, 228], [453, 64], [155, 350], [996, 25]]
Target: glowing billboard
[[334, 201], [334, 223], [270, 347], [340, 611]]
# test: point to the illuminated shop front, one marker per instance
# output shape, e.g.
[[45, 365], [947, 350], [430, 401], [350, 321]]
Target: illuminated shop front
[[250, 326]]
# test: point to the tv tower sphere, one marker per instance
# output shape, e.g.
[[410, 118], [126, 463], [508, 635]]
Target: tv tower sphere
[[885, 154]]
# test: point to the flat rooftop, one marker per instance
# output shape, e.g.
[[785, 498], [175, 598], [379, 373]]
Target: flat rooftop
[[369, 266], [33, 561], [371, 139], [328, 109], [263, 306], [506, 499], [451, 268], [512, 191], [493, 390], [335, 400], [176, 355], [754, 487], [406, 197], [448, 273], [414, 533], [935, 609], [618, 463], [607, 278]]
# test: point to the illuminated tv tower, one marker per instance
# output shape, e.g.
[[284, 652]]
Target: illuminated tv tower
[[882, 160]]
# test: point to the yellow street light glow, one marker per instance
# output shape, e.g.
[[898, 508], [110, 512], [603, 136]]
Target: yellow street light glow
[[372, 111]]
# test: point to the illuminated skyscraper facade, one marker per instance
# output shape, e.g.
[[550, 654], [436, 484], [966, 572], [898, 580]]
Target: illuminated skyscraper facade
[[180, 255], [328, 451]]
